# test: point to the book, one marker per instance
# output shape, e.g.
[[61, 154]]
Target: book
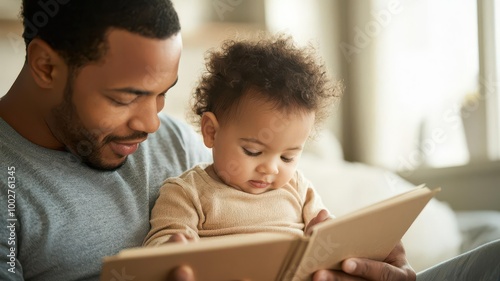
[[370, 232]]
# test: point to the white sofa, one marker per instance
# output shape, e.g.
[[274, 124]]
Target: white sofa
[[439, 233]]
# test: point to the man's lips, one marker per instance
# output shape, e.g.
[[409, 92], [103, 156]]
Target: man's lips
[[124, 148], [259, 184]]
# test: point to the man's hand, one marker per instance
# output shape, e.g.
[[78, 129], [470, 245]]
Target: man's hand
[[394, 268], [182, 273]]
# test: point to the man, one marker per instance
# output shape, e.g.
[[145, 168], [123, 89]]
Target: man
[[83, 149], [82, 175]]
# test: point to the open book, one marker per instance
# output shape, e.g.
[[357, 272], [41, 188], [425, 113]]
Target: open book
[[370, 232]]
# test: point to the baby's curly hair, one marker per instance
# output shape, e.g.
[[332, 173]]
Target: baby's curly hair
[[290, 77]]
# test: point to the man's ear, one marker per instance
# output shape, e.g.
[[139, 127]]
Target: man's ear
[[45, 64], [209, 127]]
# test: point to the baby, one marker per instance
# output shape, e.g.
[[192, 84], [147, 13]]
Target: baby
[[256, 105]]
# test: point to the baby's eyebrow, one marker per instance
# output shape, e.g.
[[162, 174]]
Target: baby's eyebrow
[[253, 140], [294, 148]]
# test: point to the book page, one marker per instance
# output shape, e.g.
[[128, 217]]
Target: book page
[[371, 232]]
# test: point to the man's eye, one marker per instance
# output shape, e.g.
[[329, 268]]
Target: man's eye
[[251, 153], [120, 102]]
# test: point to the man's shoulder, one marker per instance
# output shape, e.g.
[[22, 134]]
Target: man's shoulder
[[172, 125]]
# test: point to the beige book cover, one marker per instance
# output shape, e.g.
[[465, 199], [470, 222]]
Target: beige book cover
[[370, 232]]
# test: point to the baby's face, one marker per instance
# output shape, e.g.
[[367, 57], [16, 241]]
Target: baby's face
[[259, 148]]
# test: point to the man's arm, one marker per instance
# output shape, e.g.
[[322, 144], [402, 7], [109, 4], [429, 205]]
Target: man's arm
[[394, 268]]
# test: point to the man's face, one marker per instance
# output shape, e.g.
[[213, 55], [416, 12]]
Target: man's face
[[112, 105]]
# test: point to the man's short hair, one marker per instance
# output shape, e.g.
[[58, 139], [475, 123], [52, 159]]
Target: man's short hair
[[77, 29]]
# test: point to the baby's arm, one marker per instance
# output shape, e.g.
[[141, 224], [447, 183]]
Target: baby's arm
[[174, 217], [313, 210]]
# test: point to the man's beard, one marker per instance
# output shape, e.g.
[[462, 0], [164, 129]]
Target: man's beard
[[80, 141]]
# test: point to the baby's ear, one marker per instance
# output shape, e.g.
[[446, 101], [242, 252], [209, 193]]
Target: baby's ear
[[209, 126]]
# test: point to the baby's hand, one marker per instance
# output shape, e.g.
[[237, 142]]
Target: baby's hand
[[321, 216], [178, 238]]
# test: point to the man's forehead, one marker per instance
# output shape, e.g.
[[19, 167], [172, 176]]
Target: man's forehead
[[132, 60], [121, 43]]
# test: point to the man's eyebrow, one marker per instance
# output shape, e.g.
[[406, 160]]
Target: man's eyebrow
[[139, 92], [253, 140]]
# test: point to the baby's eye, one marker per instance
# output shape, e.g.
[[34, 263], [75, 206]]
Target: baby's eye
[[251, 153], [286, 159]]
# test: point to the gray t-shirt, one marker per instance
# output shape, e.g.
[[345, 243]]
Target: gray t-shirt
[[59, 218]]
